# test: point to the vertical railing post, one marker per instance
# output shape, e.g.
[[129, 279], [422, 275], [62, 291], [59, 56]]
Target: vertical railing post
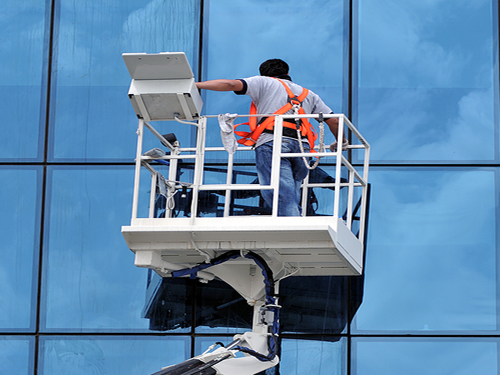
[[350, 198], [152, 196], [305, 194], [338, 167], [199, 165], [229, 181], [172, 176], [276, 163], [138, 162], [364, 197]]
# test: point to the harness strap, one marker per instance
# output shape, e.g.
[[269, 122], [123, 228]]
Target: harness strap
[[306, 129]]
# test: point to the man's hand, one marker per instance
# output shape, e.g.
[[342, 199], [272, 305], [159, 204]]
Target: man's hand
[[333, 124], [334, 145]]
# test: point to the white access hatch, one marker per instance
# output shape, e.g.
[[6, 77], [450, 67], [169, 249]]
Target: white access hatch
[[162, 87]]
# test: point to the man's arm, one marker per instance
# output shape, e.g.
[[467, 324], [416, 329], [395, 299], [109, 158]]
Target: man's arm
[[221, 85], [333, 124]]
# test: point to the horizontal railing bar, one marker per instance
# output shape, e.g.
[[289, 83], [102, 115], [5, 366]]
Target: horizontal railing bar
[[167, 157], [235, 187], [331, 115], [315, 116], [332, 184]]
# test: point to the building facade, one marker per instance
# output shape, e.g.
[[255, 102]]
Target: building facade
[[418, 78]]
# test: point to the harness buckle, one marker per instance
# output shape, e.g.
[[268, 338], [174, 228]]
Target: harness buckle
[[293, 100], [321, 117], [296, 108]]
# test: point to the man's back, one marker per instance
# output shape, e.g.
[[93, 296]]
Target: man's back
[[269, 95]]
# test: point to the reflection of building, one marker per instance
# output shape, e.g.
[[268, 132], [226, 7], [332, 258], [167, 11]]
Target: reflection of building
[[421, 83], [309, 305]]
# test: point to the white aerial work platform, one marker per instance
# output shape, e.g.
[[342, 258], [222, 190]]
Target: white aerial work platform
[[163, 89]]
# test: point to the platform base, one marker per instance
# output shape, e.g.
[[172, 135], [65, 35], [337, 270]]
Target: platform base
[[320, 246]]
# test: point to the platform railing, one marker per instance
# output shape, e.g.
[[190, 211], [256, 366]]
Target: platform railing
[[357, 178]]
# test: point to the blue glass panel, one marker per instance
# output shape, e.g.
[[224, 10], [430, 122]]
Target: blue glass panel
[[431, 253], [241, 34], [92, 118], [21, 50], [19, 230], [110, 355], [327, 357], [432, 356], [314, 304], [91, 282], [16, 353], [428, 80]]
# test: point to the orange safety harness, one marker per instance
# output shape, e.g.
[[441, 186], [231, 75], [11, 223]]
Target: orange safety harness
[[294, 102]]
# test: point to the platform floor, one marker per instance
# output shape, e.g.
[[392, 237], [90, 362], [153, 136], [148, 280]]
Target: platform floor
[[317, 245]]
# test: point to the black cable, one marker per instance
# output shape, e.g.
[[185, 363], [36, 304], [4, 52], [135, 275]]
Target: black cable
[[269, 291]]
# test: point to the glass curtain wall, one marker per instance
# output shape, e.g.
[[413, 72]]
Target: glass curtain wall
[[427, 100], [427, 80], [418, 78]]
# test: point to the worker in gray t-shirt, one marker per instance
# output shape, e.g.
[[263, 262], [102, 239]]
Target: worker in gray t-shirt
[[270, 95]]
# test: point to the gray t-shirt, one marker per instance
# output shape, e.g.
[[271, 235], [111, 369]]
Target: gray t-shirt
[[269, 95]]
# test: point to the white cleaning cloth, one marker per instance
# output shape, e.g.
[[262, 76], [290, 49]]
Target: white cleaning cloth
[[227, 132], [333, 146]]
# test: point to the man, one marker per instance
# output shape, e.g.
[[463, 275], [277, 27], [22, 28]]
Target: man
[[270, 95]]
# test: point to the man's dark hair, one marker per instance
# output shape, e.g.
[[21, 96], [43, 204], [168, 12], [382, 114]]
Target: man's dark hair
[[274, 68]]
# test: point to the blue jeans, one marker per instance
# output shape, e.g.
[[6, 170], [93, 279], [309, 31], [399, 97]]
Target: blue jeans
[[292, 172]]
